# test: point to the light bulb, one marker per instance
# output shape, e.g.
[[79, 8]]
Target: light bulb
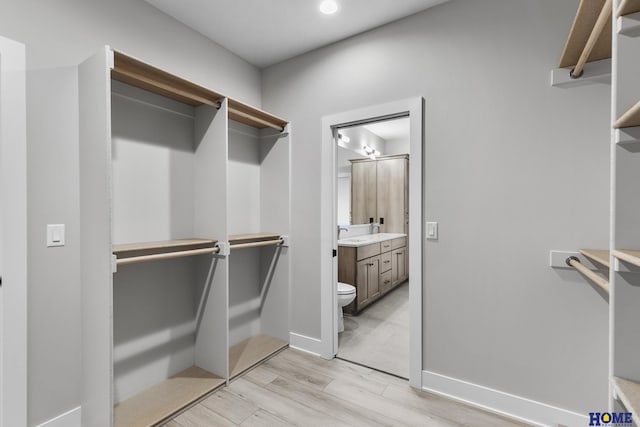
[[328, 7]]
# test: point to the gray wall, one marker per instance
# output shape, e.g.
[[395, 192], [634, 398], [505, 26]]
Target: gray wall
[[503, 151], [62, 33]]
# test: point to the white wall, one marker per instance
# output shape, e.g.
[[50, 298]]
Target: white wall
[[62, 33], [397, 146], [503, 150]]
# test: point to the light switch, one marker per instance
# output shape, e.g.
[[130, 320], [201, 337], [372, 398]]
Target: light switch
[[55, 235], [432, 231]]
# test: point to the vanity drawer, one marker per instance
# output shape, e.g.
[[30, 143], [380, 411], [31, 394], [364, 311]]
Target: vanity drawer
[[399, 242], [368, 251], [385, 246], [385, 281], [385, 262]]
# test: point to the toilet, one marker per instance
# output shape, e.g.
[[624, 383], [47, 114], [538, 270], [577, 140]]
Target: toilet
[[346, 294]]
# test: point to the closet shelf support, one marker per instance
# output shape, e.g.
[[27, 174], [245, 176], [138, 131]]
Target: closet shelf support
[[589, 274]]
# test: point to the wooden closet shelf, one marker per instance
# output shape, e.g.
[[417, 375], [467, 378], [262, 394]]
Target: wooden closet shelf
[[250, 352], [583, 24], [630, 118], [137, 73], [132, 253], [144, 76], [163, 400], [255, 117], [600, 256], [629, 393], [628, 7], [630, 256]]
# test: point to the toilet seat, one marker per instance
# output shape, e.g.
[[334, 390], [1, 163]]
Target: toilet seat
[[346, 289]]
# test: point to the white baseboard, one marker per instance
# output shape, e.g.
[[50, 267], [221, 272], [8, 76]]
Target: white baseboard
[[502, 403], [72, 418], [306, 344]]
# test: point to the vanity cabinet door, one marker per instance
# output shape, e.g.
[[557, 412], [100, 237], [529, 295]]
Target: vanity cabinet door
[[363, 192], [392, 200], [367, 280], [374, 276], [398, 265]]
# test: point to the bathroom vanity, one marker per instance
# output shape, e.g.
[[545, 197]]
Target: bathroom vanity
[[374, 264]]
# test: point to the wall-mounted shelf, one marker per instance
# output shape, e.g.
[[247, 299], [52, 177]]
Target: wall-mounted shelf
[[630, 256], [629, 25], [132, 253], [242, 241], [144, 76], [628, 138], [250, 352], [255, 117], [629, 393], [630, 118], [583, 24], [628, 7], [163, 400], [139, 74], [600, 256]]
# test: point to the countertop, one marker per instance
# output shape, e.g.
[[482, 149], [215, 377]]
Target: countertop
[[368, 239]]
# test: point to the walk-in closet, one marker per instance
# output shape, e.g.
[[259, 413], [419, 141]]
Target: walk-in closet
[[185, 218]]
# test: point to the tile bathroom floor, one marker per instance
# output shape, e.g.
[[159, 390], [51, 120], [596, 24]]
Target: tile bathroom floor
[[378, 337]]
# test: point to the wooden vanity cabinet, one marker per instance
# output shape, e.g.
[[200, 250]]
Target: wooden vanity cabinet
[[373, 269], [380, 192]]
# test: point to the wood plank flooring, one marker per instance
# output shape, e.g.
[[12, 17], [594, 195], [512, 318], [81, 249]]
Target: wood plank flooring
[[297, 389]]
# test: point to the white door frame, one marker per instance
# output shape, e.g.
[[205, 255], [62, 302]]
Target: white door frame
[[13, 235], [328, 227]]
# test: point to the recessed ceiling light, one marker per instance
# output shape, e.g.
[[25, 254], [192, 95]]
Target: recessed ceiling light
[[328, 7]]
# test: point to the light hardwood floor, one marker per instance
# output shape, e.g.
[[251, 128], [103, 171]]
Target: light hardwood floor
[[297, 389]]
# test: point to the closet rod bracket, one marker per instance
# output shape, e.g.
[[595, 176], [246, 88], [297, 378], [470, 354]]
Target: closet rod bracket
[[225, 249]]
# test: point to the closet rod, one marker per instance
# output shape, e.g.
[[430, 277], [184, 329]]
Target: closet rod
[[575, 263], [255, 119], [602, 21], [166, 255], [277, 242]]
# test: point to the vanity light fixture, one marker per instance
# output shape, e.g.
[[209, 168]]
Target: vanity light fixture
[[370, 151], [328, 7], [344, 138]]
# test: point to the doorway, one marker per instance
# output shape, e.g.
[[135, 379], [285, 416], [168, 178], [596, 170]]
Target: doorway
[[412, 111], [373, 218]]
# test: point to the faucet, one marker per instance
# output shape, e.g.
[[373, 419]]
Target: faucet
[[342, 228], [372, 226]]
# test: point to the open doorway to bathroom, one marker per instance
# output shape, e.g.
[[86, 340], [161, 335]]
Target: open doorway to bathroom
[[413, 109], [372, 214]]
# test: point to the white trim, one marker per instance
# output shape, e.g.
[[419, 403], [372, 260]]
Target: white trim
[[305, 343], [13, 235], [328, 269], [527, 410], [72, 418]]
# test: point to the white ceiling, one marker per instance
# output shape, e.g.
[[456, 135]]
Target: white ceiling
[[390, 129], [265, 32]]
